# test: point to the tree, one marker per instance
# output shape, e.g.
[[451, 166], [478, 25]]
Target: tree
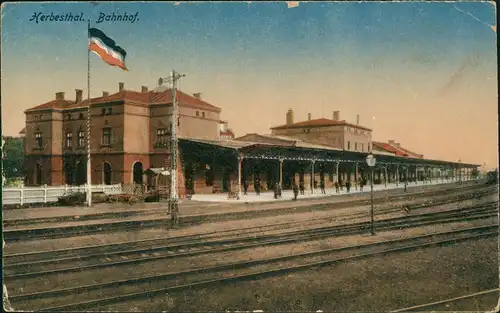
[[13, 157], [474, 173]]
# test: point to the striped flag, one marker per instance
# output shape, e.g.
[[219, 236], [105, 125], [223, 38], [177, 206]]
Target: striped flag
[[106, 48]]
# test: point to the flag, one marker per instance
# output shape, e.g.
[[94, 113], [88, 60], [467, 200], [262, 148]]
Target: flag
[[106, 48]]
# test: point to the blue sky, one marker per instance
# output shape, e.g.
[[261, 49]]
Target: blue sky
[[317, 57]]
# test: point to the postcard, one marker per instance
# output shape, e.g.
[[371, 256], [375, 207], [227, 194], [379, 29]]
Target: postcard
[[249, 156]]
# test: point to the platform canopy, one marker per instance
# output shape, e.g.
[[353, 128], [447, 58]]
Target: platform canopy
[[302, 151]]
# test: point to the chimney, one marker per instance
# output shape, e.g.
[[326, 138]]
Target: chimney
[[105, 93], [197, 95], [289, 117], [79, 94], [357, 119], [309, 116], [144, 89], [59, 95], [336, 115], [121, 86]]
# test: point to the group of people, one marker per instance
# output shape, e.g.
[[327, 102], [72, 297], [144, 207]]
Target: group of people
[[299, 189]]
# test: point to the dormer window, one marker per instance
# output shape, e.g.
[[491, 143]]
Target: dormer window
[[202, 114], [197, 113]]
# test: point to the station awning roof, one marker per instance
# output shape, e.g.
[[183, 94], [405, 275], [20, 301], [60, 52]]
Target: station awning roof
[[259, 150]]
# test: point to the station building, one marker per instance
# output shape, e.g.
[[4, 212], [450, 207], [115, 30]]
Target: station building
[[130, 133]]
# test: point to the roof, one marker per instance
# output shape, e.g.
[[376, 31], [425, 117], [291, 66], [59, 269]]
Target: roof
[[145, 98], [396, 149], [231, 144], [156, 170], [387, 147], [53, 104], [227, 133], [292, 142], [241, 145], [319, 122]]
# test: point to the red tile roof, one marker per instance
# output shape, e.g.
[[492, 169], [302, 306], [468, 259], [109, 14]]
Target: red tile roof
[[387, 147], [320, 122], [227, 133], [396, 149], [54, 104], [145, 98], [411, 153]]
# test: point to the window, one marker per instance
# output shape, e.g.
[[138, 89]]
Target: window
[[202, 114], [362, 147], [356, 146], [348, 145], [106, 136], [81, 139], [68, 117], [197, 113], [39, 140], [80, 116], [69, 139], [161, 137]]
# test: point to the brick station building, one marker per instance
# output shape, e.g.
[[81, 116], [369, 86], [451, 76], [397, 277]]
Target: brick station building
[[130, 133], [130, 142]]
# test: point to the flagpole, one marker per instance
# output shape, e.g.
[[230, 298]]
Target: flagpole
[[89, 175]]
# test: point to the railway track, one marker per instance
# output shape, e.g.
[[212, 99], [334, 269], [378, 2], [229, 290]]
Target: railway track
[[11, 235], [22, 260], [98, 295], [197, 247]]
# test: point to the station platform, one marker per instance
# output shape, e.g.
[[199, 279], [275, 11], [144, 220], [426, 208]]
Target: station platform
[[204, 205]]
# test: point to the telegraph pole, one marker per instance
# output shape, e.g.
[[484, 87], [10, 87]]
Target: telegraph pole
[[173, 201]]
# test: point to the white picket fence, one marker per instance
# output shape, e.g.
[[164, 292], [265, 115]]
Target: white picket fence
[[43, 194]]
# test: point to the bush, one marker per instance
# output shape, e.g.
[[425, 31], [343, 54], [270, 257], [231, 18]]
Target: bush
[[72, 199], [13, 182]]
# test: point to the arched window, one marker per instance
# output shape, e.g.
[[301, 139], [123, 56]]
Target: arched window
[[137, 173]]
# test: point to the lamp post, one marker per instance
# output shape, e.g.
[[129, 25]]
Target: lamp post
[[370, 161]]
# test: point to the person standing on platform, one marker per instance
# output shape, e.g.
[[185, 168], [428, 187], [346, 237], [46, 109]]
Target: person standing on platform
[[257, 186], [245, 187], [336, 184], [361, 184], [348, 186], [301, 187], [295, 190], [322, 187]]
